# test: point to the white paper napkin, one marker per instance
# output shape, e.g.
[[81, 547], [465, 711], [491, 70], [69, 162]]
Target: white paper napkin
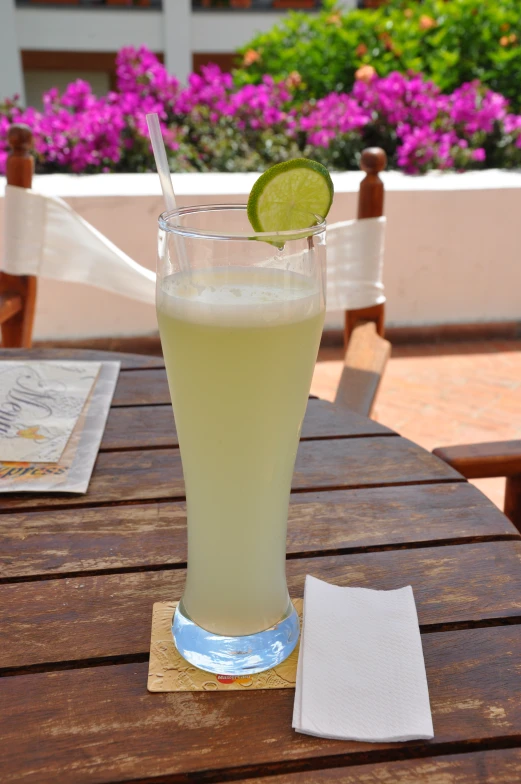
[[361, 674]]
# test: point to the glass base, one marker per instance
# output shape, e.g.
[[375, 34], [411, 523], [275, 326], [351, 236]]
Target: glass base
[[235, 655]]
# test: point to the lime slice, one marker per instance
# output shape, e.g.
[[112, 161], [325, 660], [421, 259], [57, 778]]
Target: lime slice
[[288, 196]]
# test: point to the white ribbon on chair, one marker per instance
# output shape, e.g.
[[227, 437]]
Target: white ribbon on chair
[[355, 251], [45, 237]]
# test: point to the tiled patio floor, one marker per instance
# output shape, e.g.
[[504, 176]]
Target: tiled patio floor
[[437, 395]]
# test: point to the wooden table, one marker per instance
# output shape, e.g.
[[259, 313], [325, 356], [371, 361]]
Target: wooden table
[[79, 575]]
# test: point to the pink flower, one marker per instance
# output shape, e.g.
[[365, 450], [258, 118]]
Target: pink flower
[[335, 114]]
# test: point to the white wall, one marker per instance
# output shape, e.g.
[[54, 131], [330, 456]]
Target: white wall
[[87, 29], [214, 31], [453, 251], [11, 78], [177, 18], [107, 29]]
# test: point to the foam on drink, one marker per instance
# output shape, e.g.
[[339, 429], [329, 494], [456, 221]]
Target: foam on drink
[[239, 296]]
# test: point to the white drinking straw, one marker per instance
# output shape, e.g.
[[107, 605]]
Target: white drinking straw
[[158, 147]]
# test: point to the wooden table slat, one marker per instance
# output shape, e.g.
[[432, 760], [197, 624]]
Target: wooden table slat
[[99, 724], [109, 615], [128, 361], [153, 426], [139, 536], [338, 463], [481, 767], [142, 388]]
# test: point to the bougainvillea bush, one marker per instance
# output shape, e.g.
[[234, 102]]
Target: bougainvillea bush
[[207, 126], [450, 41], [214, 125]]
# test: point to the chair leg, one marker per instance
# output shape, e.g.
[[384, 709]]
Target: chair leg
[[17, 331], [513, 500]]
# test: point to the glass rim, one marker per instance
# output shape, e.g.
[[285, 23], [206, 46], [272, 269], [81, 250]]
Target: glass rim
[[186, 231]]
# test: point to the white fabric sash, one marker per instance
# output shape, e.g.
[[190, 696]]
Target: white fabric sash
[[45, 237], [355, 252]]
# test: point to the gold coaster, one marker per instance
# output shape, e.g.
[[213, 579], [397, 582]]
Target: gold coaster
[[168, 671]]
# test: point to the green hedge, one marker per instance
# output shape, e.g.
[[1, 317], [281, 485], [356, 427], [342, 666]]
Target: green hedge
[[449, 41]]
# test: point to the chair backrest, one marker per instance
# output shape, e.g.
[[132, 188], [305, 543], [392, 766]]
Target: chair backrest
[[366, 350], [370, 205], [18, 292]]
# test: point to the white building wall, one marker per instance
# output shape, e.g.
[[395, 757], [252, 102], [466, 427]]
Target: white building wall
[[177, 25], [11, 76], [88, 29]]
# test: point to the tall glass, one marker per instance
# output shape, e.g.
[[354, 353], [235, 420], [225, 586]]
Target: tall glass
[[240, 316]]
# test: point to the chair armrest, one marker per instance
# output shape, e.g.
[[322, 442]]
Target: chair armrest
[[479, 461], [365, 360]]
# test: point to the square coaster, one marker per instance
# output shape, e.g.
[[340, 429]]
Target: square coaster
[[168, 671]]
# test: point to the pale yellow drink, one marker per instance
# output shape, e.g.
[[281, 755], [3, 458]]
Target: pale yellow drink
[[239, 345]]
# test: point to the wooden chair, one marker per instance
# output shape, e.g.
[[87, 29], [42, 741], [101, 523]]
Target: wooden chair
[[482, 461], [366, 350], [18, 293]]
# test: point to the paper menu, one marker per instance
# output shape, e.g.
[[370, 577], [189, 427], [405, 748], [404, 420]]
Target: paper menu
[[40, 404], [73, 472]]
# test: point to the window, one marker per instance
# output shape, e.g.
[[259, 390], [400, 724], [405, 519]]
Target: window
[[92, 3], [257, 5]]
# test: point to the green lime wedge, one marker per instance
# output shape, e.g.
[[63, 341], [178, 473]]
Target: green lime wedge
[[288, 196]]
